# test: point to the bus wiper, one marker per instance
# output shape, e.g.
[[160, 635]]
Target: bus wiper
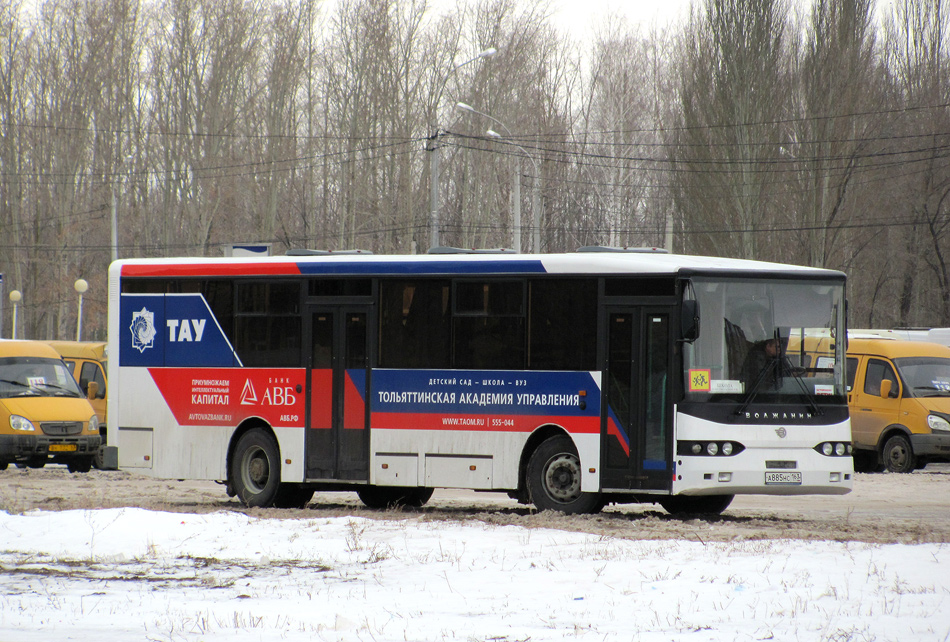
[[754, 390], [777, 364], [812, 402]]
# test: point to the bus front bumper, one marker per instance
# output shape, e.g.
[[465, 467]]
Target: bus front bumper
[[766, 472]]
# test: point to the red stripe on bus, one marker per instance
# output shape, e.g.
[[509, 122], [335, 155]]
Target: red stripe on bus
[[487, 422], [210, 269]]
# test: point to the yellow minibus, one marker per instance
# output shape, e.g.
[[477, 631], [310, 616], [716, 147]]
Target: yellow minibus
[[899, 399], [44, 416]]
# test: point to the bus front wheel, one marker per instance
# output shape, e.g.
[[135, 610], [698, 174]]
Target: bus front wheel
[[554, 479], [698, 505], [255, 468]]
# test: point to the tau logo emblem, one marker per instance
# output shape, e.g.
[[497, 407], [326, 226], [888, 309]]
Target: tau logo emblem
[[143, 330], [781, 432]]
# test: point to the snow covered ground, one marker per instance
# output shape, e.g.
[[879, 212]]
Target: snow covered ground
[[133, 574]]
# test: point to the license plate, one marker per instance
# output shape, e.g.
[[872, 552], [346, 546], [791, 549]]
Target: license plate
[[791, 479], [62, 448]]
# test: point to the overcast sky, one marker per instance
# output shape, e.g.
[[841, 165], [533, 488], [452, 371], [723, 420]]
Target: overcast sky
[[578, 16]]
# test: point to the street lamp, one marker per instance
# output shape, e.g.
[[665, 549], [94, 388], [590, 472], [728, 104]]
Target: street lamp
[[81, 287], [15, 298], [433, 149], [516, 186]]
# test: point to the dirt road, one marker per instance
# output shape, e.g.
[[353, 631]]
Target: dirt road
[[882, 508]]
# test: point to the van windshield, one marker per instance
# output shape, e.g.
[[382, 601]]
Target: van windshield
[[925, 376], [36, 377]]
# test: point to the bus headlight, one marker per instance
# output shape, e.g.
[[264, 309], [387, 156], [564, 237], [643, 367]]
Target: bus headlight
[[709, 448], [94, 424], [938, 424], [835, 449], [21, 423]]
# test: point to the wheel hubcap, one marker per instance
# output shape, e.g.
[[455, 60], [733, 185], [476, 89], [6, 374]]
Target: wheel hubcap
[[256, 470], [898, 457], [562, 478]]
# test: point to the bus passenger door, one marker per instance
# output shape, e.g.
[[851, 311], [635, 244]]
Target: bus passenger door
[[637, 424], [337, 438]]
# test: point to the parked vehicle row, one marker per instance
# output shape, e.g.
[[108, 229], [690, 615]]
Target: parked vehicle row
[[44, 416], [898, 397]]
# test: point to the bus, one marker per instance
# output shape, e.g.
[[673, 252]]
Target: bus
[[568, 381]]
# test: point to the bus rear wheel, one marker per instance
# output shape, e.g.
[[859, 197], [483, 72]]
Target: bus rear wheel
[[382, 497], [554, 479], [696, 505], [255, 468]]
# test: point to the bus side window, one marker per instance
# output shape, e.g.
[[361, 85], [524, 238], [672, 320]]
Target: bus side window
[[562, 324], [489, 324], [414, 324]]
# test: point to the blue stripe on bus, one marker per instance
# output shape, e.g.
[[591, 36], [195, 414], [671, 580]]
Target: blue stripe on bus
[[421, 267]]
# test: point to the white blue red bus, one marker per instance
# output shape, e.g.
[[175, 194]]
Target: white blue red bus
[[569, 381]]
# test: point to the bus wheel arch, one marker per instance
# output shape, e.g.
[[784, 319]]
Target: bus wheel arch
[[253, 464], [552, 476], [534, 441]]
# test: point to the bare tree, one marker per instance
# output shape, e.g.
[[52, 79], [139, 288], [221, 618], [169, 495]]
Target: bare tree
[[833, 127], [917, 56], [14, 63], [733, 88]]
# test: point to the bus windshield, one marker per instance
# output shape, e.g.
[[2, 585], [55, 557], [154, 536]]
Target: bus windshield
[[36, 377], [764, 340]]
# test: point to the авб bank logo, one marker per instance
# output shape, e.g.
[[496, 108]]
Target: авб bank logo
[[143, 330]]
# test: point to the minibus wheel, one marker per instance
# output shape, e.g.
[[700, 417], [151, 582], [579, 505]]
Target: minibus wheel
[[79, 465], [554, 479], [898, 455], [255, 468]]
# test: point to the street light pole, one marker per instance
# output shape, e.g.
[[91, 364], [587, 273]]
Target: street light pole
[[516, 185], [433, 148], [81, 286], [15, 298]]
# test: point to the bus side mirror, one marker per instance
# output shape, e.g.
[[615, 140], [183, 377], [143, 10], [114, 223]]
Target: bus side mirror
[[92, 389], [886, 388], [689, 321]]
